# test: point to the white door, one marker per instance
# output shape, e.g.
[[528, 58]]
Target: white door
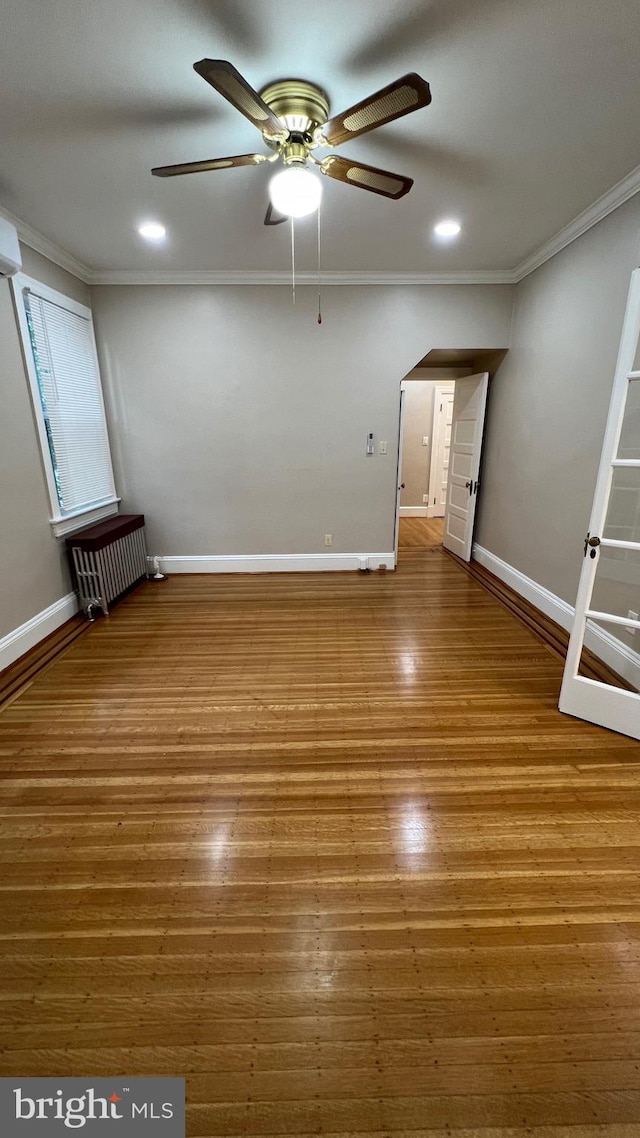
[[399, 484], [469, 406], [440, 447], [608, 604]]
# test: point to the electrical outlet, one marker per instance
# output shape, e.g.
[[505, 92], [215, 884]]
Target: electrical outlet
[[328, 539], [632, 616], [425, 440], [382, 449], [425, 499]]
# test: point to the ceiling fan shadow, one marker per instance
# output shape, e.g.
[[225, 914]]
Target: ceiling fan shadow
[[415, 152], [103, 118], [421, 27], [232, 23]]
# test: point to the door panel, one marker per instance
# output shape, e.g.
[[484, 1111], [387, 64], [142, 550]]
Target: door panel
[[629, 444], [614, 644], [396, 528], [616, 585], [622, 522], [608, 602], [440, 452], [466, 444]]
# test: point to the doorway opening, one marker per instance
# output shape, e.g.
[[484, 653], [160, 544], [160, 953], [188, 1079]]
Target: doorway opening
[[439, 451], [427, 410]]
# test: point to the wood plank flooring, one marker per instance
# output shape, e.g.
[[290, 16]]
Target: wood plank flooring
[[21, 673], [323, 845], [420, 533]]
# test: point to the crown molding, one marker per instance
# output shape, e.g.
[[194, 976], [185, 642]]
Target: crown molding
[[36, 240], [611, 200], [259, 277], [616, 196]]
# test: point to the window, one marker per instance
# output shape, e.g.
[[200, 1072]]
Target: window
[[62, 366]]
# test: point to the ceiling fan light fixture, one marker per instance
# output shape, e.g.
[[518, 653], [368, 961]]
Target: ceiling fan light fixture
[[295, 191]]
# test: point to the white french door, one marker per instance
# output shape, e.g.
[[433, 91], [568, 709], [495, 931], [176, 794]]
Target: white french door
[[467, 428], [608, 603]]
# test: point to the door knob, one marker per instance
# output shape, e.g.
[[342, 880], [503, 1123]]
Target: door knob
[[402, 485]]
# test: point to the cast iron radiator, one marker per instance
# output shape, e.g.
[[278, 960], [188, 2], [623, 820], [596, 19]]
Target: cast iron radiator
[[108, 559]]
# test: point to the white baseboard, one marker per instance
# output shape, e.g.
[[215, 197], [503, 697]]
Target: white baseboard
[[276, 563], [16, 643], [413, 511], [536, 594], [624, 660]]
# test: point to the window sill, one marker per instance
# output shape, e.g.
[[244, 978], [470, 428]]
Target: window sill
[[62, 527]]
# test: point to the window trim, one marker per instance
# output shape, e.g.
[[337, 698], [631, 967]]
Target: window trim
[[61, 524]]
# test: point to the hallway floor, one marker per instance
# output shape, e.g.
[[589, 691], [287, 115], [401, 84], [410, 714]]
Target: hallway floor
[[420, 533], [322, 844]]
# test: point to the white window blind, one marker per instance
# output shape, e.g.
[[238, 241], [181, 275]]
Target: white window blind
[[71, 398]]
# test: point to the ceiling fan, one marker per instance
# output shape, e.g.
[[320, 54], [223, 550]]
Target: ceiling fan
[[292, 116]]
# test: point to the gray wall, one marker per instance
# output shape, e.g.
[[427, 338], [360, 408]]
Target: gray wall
[[33, 572], [548, 404], [418, 421], [239, 425]]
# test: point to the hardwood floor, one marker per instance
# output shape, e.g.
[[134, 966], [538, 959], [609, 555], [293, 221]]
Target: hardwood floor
[[420, 533], [324, 845]]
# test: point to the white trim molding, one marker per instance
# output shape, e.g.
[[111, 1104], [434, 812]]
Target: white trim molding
[[62, 526], [274, 562], [616, 196], [413, 512], [16, 643], [624, 660], [267, 277], [49, 249], [92, 512]]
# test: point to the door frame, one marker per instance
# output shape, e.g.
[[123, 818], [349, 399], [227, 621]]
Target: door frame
[[399, 487], [435, 468]]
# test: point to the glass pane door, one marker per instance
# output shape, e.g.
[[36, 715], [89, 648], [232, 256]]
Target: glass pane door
[[607, 621]]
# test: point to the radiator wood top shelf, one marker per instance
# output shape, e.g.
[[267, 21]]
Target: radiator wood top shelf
[[97, 537]]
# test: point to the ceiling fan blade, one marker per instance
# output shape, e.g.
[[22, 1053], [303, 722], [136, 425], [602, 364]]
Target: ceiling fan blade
[[209, 164], [272, 217], [407, 94], [366, 177], [231, 85]]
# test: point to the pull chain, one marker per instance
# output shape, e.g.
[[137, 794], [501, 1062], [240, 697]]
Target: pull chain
[[319, 278], [293, 260]]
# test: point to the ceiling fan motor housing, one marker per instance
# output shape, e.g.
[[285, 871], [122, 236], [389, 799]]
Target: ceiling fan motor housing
[[302, 107]]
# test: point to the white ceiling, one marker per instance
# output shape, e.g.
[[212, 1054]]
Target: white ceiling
[[534, 116]]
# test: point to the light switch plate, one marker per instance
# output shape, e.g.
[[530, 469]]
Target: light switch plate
[[383, 447]]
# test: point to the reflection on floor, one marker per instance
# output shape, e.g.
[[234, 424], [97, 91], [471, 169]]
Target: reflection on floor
[[421, 533], [323, 844]]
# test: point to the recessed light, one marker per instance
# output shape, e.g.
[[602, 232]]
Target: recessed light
[[448, 228], [152, 231]]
